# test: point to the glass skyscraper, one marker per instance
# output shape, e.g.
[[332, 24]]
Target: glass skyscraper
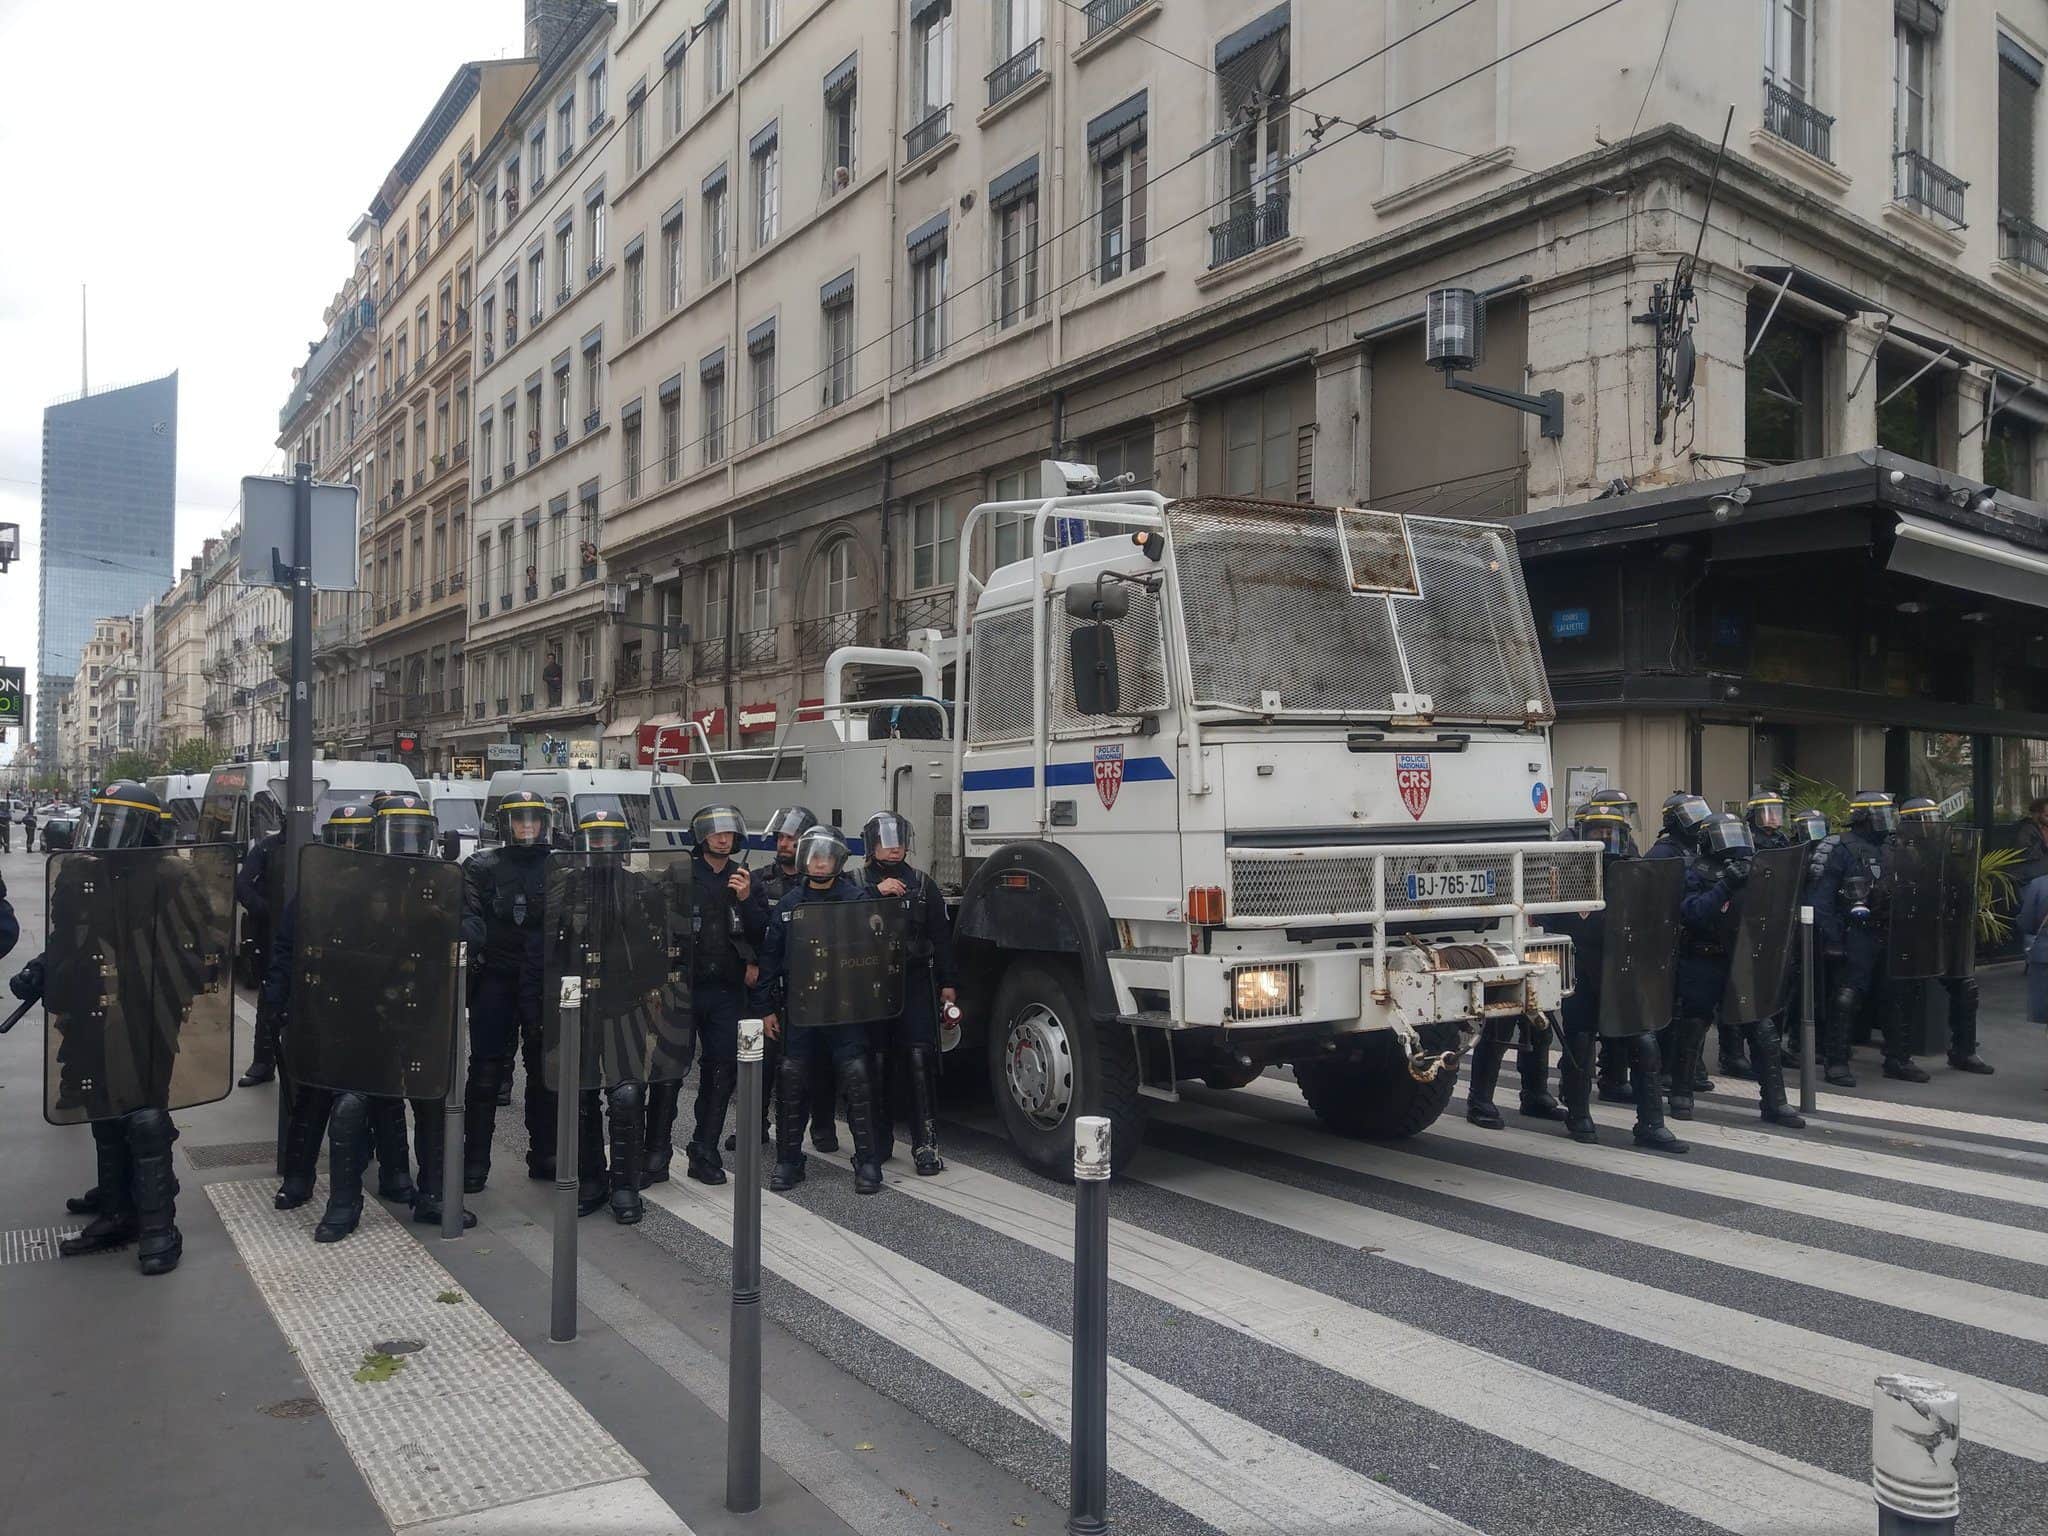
[[110, 471]]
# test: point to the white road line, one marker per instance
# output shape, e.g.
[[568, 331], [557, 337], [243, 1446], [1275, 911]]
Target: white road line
[[1809, 1151], [1929, 1115], [1965, 1301], [1965, 1232], [1221, 1469], [469, 1422], [1708, 1475], [2007, 1418], [629, 1508]]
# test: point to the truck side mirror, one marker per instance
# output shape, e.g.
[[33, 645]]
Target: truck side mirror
[[1101, 600], [1091, 659]]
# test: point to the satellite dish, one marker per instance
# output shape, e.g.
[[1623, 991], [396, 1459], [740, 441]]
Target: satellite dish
[[1684, 367]]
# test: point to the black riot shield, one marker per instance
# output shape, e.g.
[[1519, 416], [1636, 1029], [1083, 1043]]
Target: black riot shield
[[610, 920], [1912, 892], [138, 989], [1766, 931], [845, 961], [374, 980], [1639, 945], [222, 818], [1959, 900]]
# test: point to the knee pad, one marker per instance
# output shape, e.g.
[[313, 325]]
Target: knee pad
[[350, 1117], [149, 1132], [627, 1098]]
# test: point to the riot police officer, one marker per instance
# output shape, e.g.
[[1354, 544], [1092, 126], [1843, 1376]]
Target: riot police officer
[[1844, 879], [728, 917], [780, 878], [255, 892], [1714, 882], [821, 852], [606, 834], [504, 900], [1682, 815], [1764, 811], [929, 981], [1962, 990], [1607, 818]]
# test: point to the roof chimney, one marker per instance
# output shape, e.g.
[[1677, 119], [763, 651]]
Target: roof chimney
[[546, 22]]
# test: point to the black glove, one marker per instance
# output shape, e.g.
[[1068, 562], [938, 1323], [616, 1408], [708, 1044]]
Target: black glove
[[27, 983], [1735, 874]]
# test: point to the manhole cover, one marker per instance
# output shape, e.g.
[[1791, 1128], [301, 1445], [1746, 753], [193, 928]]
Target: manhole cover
[[399, 1346], [294, 1408]]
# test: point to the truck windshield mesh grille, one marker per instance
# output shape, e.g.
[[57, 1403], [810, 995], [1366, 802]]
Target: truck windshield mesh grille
[[1000, 678], [1286, 884]]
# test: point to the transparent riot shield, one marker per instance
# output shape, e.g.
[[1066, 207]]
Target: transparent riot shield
[[221, 818], [1639, 945], [611, 919], [1915, 923], [374, 981], [1767, 928], [845, 961], [138, 989], [1959, 899]]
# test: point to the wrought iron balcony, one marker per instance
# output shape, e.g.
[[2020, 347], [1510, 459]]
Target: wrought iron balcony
[[1104, 14], [564, 295], [535, 317], [437, 591], [756, 647], [561, 439], [2023, 241], [504, 602], [511, 330], [483, 608], [416, 599], [586, 689], [1927, 187], [927, 610], [440, 463], [490, 354], [461, 322], [559, 582], [591, 272], [525, 701], [1798, 122], [926, 135], [590, 421], [533, 455], [532, 591], [1018, 70], [1250, 227], [708, 657], [479, 710], [462, 451], [504, 705], [819, 638], [456, 580]]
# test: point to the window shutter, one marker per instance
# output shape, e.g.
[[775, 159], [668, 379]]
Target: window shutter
[[2016, 103], [1305, 462]]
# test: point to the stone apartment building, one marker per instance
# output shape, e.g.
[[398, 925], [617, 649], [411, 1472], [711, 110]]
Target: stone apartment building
[[173, 684], [241, 626]]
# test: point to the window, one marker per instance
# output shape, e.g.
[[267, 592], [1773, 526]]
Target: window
[[761, 357], [491, 210], [593, 383], [537, 156], [630, 432], [510, 411], [1125, 452], [1913, 37], [533, 417], [714, 601], [842, 579], [716, 30], [2009, 449], [586, 532], [1009, 531], [565, 260], [931, 58], [672, 264], [764, 573], [711, 390], [715, 213], [671, 432], [1781, 390], [1013, 204], [490, 318], [636, 294], [1788, 46], [672, 94], [537, 280], [598, 100], [2019, 91], [932, 542], [1251, 96], [555, 563], [636, 134], [1116, 141], [1268, 437], [484, 430], [928, 290], [565, 128], [562, 403], [1907, 420], [765, 151], [593, 233], [504, 565], [836, 301], [771, 23], [841, 91], [511, 309]]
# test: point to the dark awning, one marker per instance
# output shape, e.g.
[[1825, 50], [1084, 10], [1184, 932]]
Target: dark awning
[[1931, 344], [714, 181], [1973, 562], [2010, 52], [841, 77], [1122, 115], [674, 213], [928, 234], [764, 141], [671, 387], [836, 291], [1018, 181], [762, 336], [711, 363], [1811, 285], [1250, 35]]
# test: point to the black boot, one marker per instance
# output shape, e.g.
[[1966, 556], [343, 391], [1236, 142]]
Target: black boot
[[1575, 1080], [1650, 1130], [1962, 1027], [430, 1141], [823, 1085], [348, 1149], [480, 1118], [860, 1120], [715, 1083], [541, 1106], [158, 1243], [1613, 1084], [303, 1138], [114, 1225], [263, 1055], [792, 1080], [1730, 1039], [394, 1156], [1843, 1007], [1532, 1061], [1687, 1036], [924, 1124], [1701, 1083], [1770, 1075], [659, 1145], [627, 1107], [1907, 1000], [1487, 1053], [87, 1204], [593, 1178], [884, 1117]]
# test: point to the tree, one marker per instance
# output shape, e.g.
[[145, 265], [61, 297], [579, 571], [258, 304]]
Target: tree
[[129, 765], [194, 754]]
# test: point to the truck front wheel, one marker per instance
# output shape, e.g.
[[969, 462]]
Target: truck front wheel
[[1049, 1061], [1372, 1096]]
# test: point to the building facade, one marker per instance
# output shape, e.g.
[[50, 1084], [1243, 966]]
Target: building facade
[[546, 304], [245, 697], [109, 493], [174, 686]]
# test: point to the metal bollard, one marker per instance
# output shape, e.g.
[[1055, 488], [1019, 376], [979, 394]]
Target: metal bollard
[[1809, 1069], [452, 1193], [1088, 1477], [1915, 1426], [568, 1102], [743, 1368]]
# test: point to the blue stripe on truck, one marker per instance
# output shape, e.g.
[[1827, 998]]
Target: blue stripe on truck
[[1137, 770]]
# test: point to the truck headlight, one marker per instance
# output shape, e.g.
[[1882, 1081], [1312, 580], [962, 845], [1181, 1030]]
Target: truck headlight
[[1555, 952], [1264, 991]]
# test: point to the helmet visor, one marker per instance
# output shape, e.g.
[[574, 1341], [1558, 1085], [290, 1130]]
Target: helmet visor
[[720, 821], [124, 824], [821, 853], [348, 828], [1599, 825], [791, 821], [1767, 814], [1727, 838], [1809, 826], [406, 829], [524, 824], [1690, 814], [887, 833], [603, 834]]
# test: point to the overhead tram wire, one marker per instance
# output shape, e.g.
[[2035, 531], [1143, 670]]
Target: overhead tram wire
[[1082, 10]]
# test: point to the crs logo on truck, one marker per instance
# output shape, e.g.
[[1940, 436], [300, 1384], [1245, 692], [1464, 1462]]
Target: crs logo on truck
[[1109, 772], [1412, 778]]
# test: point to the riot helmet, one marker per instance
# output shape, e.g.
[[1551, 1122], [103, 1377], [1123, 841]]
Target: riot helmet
[[126, 814], [403, 824], [1725, 838], [887, 832], [786, 826], [1873, 811], [718, 822], [603, 831], [1807, 825], [351, 827], [1919, 808], [821, 855], [1765, 811], [523, 819], [1684, 814], [1608, 818]]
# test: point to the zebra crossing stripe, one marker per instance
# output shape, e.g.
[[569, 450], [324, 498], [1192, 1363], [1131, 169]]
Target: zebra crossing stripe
[[1964, 1232], [1710, 1476], [1928, 1115], [1207, 1460], [1892, 1285]]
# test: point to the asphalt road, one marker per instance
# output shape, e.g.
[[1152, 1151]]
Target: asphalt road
[[1502, 1332]]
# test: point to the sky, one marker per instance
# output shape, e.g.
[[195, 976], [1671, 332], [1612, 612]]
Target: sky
[[197, 168]]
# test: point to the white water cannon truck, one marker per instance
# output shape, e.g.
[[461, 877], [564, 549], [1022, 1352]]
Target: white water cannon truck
[[1220, 784]]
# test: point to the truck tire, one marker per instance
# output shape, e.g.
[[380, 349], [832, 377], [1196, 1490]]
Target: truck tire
[[1048, 1061], [1373, 1098]]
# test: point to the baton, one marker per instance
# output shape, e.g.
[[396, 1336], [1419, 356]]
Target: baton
[[14, 1018]]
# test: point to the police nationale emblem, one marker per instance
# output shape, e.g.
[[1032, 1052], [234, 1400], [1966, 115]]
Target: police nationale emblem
[[1109, 772], [1412, 778]]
